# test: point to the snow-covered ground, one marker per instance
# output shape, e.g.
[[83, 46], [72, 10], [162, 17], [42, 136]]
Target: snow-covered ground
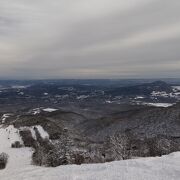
[[50, 109], [42, 132], [82, 97], [139, 97], [40, 109], [19, 166], [159, 104], [18, 158]]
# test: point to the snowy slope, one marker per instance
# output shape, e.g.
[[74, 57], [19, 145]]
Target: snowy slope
[[19, 166], [42, 132], [18, 158]]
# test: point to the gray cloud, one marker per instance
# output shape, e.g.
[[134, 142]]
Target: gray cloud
[[89, 39]]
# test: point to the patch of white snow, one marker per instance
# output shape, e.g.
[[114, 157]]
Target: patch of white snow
[[42, 132], [159, 104], [50, 109]]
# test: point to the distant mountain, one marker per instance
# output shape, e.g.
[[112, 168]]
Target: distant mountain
[[143, 89]]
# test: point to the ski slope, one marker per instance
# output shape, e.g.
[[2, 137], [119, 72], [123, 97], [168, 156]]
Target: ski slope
[[19, 166]]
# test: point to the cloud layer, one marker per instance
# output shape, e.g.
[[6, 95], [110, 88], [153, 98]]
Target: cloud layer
[[89, 39]]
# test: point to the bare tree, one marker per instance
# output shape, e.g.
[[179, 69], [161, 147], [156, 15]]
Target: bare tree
[[116, 147]]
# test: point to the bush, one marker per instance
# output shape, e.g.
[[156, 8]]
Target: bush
[[27, 138], [3, 160], [117, 147], [161, 145], [79, 159], [16, 144], [53, 154]]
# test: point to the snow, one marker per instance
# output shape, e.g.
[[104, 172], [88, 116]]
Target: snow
[[40, 129], [13, 134], [4, 117], [176, 87], [21, 93], [18, 158], [33, 133], [19, 87], [174, 94], [159, 104], [139, 97], [160, 94], [19, 166], [36, 111], [50, 109], [109, 102], [42, 132], [82, 97]]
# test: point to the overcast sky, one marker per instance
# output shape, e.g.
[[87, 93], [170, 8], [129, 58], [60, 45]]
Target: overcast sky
[[89, 39]]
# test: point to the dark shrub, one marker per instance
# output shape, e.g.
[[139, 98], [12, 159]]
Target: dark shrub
[[3, 160], [79, 159], [16, 144], [27, 138]]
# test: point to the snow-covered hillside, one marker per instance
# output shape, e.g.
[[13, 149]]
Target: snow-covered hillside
[[19, 166]]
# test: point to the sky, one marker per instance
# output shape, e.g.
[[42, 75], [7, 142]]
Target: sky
[[51, 39]]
